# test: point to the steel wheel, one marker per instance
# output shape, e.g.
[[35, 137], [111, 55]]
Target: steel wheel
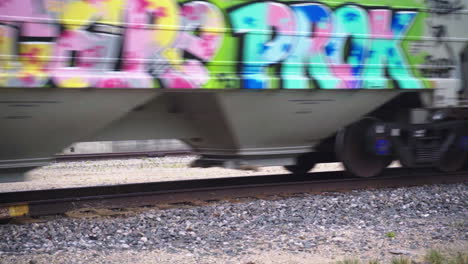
[[351, 149], [304, 164], [454, 159]]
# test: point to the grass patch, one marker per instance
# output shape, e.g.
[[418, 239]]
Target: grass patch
[[390, 234], [461, 258], [401, 260], [436, 257], [431, 257], [349, 261]]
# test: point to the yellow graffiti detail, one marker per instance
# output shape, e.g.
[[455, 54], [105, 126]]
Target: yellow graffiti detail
[[6, 50], [3, 78], [168, 22], [74, 82], [76, 14], [112, 12], [18, 210], [167, 29], [174, 57], [34, 56]]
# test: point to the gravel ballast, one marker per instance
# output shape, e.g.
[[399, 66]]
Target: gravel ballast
[[125, 171], [311, 228]]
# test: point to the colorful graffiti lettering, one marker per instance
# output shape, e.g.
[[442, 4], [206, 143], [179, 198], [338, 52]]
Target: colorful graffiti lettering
[[107, 43], [370, 38], [210, 44]]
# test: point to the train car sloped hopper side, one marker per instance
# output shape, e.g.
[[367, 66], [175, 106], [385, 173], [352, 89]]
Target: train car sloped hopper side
[[244, 83]]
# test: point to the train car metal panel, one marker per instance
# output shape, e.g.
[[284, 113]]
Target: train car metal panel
[[235, 78]]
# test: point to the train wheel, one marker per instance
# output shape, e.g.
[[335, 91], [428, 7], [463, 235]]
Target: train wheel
[[352, 150], [297, 169], [304, 164], [454, 159]]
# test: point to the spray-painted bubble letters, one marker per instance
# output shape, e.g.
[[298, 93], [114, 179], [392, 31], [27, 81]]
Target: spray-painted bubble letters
[[107, 43], [167, 43], [349, 47]]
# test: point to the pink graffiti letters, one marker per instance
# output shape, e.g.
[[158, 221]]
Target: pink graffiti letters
[[107, 43]]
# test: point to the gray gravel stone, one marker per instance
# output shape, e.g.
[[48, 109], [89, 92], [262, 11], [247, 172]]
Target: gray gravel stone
[[351, 222]]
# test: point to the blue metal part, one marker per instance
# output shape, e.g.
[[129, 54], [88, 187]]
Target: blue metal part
[[382, 146], [464, 143]]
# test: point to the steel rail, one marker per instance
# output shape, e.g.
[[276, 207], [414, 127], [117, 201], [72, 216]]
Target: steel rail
[[58, 201], [117, 155]]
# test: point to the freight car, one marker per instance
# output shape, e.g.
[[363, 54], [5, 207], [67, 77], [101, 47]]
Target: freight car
[[244, 83]]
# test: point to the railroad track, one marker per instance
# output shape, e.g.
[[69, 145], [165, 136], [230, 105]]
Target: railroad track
[[119, 155], [59, 201]]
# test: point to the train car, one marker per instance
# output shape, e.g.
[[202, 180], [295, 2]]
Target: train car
[[244, 83]]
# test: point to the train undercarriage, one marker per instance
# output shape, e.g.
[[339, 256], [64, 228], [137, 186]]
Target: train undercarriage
[[401, 130], [431, 139], [243, 129], [366, 147]]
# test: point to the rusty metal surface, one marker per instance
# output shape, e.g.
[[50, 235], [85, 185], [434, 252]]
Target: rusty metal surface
[[57, 201]]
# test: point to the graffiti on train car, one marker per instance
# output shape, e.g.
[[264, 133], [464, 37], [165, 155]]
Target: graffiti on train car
[[370, 37], [109, 43], [207, 44]]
